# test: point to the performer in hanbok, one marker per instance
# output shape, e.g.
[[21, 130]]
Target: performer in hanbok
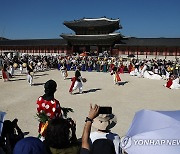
[[64, 71], [105, 65], [98, 65], [39, 66], [83, 63], [5, 74], [68, 62], [89, 65], [77, 82], [11, 70], [121, 68], [30, 78], [111, 66], [130, 67], [151, 75], [116, 76], [21, 68], [173, 83], [48, 106], [30, 74]]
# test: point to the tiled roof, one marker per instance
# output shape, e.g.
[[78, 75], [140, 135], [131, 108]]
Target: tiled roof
[[163, 42], [33, 42], [93, 23]]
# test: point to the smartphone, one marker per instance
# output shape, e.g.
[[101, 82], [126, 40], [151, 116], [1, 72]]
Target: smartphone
[[105, 110]]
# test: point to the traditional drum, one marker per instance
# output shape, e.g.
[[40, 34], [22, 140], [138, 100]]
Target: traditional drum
[[84, 80], [24, 65], [15, 65]]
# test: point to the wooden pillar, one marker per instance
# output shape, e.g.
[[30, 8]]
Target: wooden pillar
[[146, 52], [46, 50], [109, 53], [156, 52], [176, 54], [39, 50], [127, 50], [58, 49], [137, 52], [51, 50], [33, 50]]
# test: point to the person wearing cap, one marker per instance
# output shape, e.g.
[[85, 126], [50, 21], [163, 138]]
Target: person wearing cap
[[48, 105], [103, 123], [103, 141]]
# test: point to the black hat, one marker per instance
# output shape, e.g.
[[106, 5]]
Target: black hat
[[50, 87]]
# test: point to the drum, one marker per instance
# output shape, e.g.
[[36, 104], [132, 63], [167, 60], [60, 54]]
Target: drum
[[32, 73], [15, 65], [24, 65], [84, 80]]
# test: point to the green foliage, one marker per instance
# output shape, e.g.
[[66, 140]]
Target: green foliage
[[42, 117], [66, 111]]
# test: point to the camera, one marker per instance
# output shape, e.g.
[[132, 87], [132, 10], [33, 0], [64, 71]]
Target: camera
[[105, 110]]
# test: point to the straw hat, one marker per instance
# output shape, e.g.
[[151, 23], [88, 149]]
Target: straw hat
[[105, 121]]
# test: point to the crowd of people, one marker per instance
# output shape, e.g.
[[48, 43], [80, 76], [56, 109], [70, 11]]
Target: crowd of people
[[151, 69], [57, 133]]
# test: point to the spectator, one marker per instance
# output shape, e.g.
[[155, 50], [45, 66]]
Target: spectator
[[101, 145], [11, 134], [85, 148], [60, 137], [103, 123], [48, 106], [30, 145]]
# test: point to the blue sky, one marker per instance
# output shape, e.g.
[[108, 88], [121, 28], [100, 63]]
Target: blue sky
[[34, 19]]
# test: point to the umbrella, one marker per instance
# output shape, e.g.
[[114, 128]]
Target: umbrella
[[156, 132], [131, 55], [2, 114]]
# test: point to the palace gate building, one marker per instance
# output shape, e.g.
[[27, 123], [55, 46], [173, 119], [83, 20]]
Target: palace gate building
[[95, 36]]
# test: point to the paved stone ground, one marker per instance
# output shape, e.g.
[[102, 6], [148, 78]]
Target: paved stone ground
[[18, 99]]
